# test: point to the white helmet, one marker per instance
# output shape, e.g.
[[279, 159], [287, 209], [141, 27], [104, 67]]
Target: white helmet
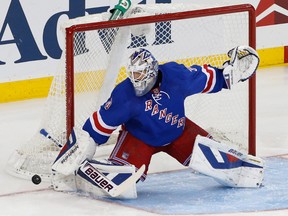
[[142, 71]]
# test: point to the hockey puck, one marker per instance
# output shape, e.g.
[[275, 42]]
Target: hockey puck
[[36, 179]]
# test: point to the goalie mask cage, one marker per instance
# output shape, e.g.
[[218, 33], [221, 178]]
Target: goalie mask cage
[[97, 52]]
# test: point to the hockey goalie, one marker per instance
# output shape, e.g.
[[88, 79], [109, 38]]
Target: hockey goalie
[[149, 107]]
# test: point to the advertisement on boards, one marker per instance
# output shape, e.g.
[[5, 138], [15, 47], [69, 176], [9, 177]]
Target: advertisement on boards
[[31, 41]]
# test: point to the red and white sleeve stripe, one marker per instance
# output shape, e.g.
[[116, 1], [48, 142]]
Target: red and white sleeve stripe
[[99, 125], [211, 78]]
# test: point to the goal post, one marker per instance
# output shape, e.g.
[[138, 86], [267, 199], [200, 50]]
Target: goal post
[[94, 61], [164, 18]]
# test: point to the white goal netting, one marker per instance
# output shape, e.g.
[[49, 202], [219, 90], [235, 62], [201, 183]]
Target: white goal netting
[[100, 56]]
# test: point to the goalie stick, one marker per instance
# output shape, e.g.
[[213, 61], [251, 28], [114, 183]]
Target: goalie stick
[[116, 13], [48, 136], [120, 9]]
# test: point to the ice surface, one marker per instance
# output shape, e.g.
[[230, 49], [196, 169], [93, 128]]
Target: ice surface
[[171, 193]]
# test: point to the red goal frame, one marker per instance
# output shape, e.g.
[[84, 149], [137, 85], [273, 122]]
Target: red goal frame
[[161, 18]]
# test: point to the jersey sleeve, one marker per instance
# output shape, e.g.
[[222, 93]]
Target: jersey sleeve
[[203, 79], [111, 114]]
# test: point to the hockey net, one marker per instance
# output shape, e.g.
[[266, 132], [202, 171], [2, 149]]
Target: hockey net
[[94, 62]]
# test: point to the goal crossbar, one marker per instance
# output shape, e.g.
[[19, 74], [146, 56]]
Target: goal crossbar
[[70, 31]]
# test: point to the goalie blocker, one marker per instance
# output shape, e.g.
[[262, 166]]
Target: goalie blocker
[[74, 170], [226, 164]]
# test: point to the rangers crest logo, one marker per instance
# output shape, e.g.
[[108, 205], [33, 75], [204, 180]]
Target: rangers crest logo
[[108, 104], [159, 95]]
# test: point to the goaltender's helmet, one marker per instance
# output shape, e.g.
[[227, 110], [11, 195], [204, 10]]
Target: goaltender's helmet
[[142, 71]]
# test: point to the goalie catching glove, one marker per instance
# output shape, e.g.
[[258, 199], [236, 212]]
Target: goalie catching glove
[[243, 63]]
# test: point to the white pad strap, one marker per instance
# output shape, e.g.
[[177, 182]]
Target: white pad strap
[[226, 163]]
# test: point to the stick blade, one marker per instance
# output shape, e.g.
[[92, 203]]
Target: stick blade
[[127, 183]]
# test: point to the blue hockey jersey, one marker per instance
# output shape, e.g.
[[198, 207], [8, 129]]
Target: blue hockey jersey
[[158, 117]]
